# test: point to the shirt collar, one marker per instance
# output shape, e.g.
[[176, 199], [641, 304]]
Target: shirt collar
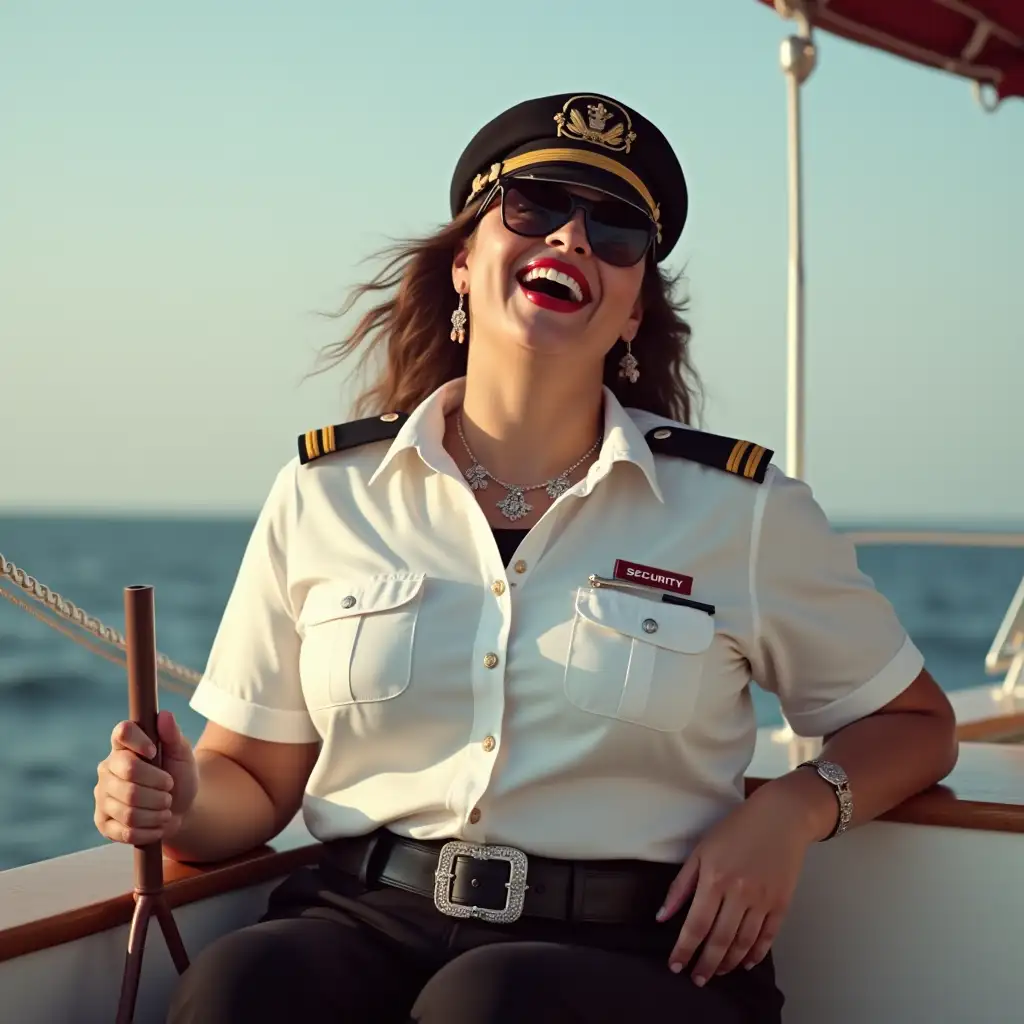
[[425, 427]]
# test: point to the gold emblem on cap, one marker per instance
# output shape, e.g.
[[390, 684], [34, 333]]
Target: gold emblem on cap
[[486, 178], [595, 127]]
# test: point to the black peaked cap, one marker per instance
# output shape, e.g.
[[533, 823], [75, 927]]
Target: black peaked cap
[[582, 139]]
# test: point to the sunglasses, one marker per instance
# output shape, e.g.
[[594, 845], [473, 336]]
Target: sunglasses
[[619, 234]]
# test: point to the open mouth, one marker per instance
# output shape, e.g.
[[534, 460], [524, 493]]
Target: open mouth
[[553, 284]]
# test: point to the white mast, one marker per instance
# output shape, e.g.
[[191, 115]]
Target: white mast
[[798, 58]]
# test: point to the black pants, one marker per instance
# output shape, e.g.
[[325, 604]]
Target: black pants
[[333, 950]]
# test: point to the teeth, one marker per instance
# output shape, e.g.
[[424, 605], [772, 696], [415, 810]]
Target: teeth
[[555, 275]]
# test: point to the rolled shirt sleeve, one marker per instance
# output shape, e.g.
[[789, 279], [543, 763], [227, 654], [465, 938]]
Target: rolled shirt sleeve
[[251, 684], [826, 642]]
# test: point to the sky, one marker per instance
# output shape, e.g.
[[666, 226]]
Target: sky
[[185, 187]]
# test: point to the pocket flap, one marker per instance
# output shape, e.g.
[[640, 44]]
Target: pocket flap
[[340, 599], [672, 626]]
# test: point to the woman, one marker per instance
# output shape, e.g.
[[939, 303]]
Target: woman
[[497, 641]]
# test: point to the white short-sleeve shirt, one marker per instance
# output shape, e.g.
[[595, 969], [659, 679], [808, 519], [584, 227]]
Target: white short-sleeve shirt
[[455, 698]]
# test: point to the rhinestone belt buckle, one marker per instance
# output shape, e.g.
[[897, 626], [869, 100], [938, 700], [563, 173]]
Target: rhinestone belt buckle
[[516, 884]]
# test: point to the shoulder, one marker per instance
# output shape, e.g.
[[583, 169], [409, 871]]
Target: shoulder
[[339, 437], [740, 458]]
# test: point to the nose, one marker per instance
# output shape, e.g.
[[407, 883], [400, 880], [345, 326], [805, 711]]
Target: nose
[[571, 236]]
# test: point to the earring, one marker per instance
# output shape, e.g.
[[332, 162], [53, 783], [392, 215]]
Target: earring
[[459, 322], [629, 368]]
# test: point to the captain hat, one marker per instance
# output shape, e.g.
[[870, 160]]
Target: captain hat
[[579, 139]]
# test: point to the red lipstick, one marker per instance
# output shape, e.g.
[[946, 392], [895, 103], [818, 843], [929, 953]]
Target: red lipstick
[[546, 301]]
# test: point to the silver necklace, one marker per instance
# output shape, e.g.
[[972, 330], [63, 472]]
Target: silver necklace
[[514, 505]]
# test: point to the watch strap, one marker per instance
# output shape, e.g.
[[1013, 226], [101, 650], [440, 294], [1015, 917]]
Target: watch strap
[[834, 775]]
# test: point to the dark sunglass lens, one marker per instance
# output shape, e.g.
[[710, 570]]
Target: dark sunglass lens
[[534, 207], [619, 233], [621, 247]]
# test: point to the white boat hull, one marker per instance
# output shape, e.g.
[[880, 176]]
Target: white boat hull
[[79, 982], [899, 921]]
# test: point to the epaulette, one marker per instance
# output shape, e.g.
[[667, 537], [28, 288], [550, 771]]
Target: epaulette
[[744, 458], [315, 443]]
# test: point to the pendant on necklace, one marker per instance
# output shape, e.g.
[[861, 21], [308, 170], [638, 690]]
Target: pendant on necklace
[[558, 485], [513, 506], [477, 477]]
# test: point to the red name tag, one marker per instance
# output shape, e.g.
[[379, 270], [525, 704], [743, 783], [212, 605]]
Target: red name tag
[[648, 576]]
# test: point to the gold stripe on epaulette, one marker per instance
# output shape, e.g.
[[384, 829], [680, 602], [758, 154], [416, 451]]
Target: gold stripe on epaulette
[[753, 461], [736, 456], [309, 444], [328, 433]]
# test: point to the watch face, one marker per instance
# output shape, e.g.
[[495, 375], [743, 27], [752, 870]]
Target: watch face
[[832, 772]]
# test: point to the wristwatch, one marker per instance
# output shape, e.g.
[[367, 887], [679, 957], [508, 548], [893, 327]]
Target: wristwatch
[[835, 777]]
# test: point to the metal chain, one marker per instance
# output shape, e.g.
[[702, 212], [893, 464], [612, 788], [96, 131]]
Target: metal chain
[[533, 487], [62, 608]]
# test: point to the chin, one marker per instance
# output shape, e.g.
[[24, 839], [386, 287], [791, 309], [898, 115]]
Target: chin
[[546, 338], [540, 330]]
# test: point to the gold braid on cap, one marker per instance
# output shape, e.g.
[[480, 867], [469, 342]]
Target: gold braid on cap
[[567, 156]]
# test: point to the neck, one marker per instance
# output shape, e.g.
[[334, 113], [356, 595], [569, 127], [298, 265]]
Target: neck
[[526, 424]]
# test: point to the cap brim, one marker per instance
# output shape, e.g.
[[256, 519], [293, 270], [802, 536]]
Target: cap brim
[[589, 177]]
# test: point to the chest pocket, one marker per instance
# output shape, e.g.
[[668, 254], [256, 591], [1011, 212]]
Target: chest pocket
[[358, 639], [636, 659]]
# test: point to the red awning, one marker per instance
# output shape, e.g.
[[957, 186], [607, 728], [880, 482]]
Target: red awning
[[982, 40]]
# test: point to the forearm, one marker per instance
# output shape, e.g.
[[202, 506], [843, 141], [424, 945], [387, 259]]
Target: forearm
[[888, 757], [232, 814]]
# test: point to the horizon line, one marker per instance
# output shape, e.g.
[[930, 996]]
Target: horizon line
[[844, 522]]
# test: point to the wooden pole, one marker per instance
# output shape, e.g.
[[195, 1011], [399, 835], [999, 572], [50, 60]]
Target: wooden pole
[[140, 642]]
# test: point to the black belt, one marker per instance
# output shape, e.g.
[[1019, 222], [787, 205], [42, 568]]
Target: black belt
[[501, 884]]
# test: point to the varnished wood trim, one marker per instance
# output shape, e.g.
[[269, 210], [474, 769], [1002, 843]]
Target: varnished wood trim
[[993, 730], [985, 790], [68, 898], [65, 899]]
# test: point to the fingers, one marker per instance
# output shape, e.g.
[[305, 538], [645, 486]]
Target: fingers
[[134, 817], [731, 925], [126, 823], [769, 930], [680, 890], [700, 919], [738, 952], [129, 736], [121, 833], [125, 765], [175, 746], [133, 795], [721, 936]]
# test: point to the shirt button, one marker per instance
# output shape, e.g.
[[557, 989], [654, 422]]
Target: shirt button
[[498, 588], [650, 626], [520, 566], [489, 743], [474, 815], [490, 659], [348, 602]]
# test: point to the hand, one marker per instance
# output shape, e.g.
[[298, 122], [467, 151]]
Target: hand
[[742, 875], [137, 802]]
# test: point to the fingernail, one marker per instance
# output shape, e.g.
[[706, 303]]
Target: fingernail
[[749, 965], [661, 914], [675, 968], [150, 751], [699, 980]]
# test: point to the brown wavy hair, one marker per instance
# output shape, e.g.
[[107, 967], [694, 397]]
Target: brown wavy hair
[[410, 327]]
